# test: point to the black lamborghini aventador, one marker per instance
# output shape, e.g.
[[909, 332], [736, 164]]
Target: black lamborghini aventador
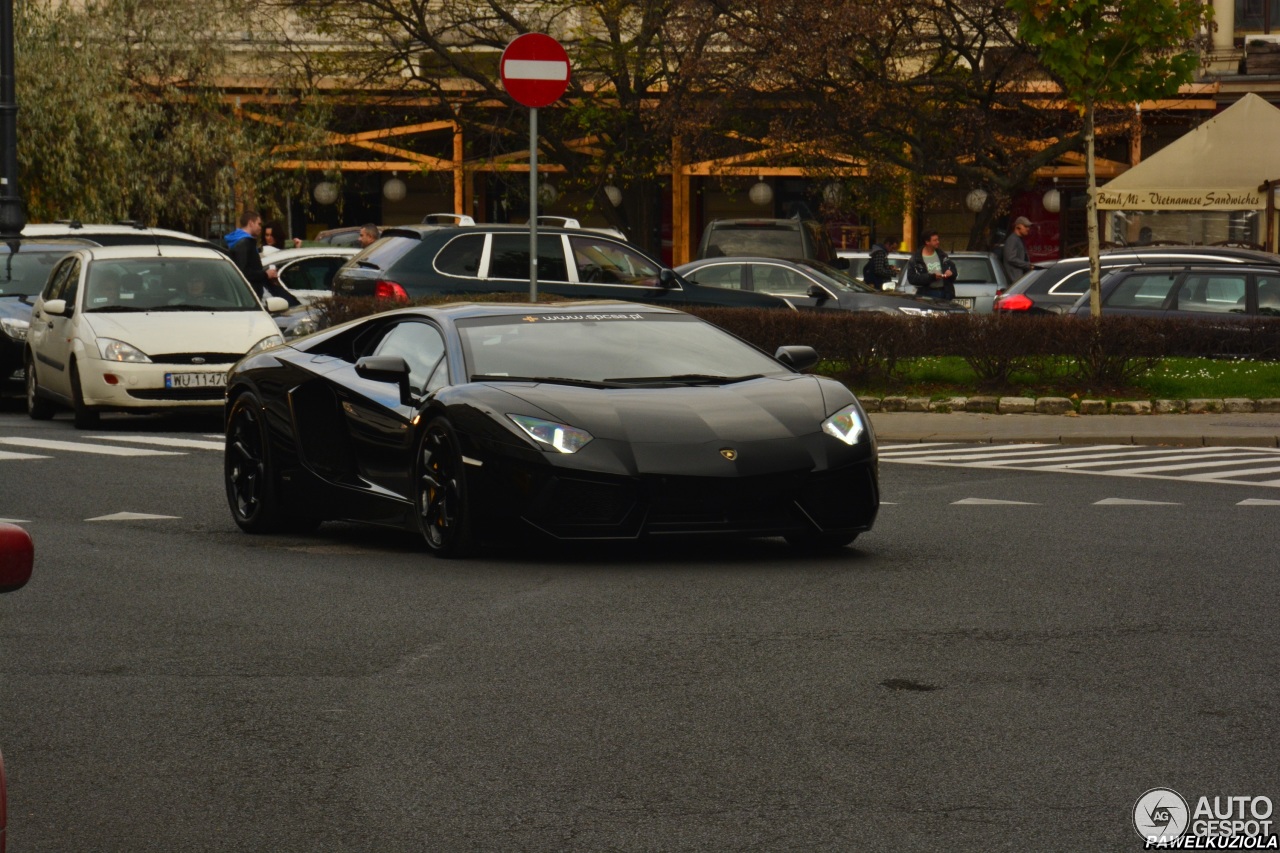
[[600, 420]]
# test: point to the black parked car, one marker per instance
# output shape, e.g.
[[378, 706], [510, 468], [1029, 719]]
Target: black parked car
[[601, 420], [1054, 287], [1193, 292], [808, 284], [464, 259]]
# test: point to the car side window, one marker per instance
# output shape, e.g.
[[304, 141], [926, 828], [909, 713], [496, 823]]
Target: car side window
[[1142, 290], [1269, 295], [771, 278], [509, 257], [420, 345], [58, 279], [1213, 292], [312, 273], [461, 256], [725, 276], [974, 271], [607, 262]]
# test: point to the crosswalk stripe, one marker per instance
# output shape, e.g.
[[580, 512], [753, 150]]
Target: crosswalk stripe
[[161, 441], [10, 454], [78, 447]]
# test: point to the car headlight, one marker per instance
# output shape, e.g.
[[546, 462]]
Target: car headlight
[[15, 328], [563, 438], [917, 312], [305, 326], [112, 350], [846, 425], [266, 343]]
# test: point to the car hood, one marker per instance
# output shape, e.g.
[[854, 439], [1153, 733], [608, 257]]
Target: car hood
[[16, 307], [755, 410], [186, 331]]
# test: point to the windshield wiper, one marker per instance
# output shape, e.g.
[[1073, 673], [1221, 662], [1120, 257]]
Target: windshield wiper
[[684, 379], [557, 380]]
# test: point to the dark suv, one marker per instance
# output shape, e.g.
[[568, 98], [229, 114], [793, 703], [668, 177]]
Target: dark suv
[[411, 261], [1054, 287], [789, 239], [1198, 291]]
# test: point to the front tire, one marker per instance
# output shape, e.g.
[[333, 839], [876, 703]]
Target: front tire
[[250, 481], [440, 493], [38, 407], [86, 417]]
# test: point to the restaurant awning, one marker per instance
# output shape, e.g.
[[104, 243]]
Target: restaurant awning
[[1218, 166]]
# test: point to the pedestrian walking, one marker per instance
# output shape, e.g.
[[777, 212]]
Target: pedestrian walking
[[930, 271], [1017, 262]]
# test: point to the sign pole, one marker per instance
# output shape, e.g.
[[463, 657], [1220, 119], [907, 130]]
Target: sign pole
[[533, 204]]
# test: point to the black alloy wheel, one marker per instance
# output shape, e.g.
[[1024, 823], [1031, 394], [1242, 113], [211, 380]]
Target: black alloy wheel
[[85, 417], [250, 480], [38, 407], [440, 493]]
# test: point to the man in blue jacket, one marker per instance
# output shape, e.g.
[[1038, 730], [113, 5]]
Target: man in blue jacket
[[242, 245]]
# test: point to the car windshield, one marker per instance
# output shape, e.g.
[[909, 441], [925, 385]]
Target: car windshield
[[974, 271], [766, 240], [25, 273], [167, 284], [839, 279], [607, 346]]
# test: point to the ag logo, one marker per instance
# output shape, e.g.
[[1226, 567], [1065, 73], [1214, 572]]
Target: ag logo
[[729, 453], [1161, 813]]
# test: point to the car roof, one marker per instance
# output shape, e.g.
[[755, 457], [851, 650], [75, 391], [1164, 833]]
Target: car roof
[[419, 230], [106, 253], [50, 244], [310, 252], [471, 310], [1210, 266], [73, 228]]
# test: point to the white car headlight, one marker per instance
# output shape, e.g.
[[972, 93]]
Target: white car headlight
[[565, 439], [15, 328], [112, 350], [305, 326], [917, 312], [846, 425], [266, 343]]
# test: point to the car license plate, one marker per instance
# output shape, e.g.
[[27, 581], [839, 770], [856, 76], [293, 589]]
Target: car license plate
[[966, 301], [195, 380]]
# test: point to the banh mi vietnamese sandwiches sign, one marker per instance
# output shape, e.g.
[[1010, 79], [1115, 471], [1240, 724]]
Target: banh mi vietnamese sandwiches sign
[[1182, 199]]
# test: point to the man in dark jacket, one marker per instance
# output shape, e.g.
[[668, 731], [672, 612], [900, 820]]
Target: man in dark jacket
[[242, 245], [877, 271], [930, 271], [1014, 254]]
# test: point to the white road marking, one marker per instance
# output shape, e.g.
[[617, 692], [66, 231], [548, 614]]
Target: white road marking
[[1132, 502], [130, 516], [161, 441], [1115, 460], [9, 454], [78, 447], [1258, 502], [14, 521], [990, 502]]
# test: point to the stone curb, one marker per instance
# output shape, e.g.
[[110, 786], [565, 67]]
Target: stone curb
[[1070, 407]]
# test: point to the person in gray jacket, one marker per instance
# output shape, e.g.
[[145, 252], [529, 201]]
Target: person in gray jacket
[[1016, 261]]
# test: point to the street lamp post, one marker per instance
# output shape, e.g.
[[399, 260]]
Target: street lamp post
[[12, 218]]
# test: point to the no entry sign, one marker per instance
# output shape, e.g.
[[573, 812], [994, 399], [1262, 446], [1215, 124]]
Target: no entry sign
[[535, 69]]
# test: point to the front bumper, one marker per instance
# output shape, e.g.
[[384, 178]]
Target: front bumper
[[124, 385]]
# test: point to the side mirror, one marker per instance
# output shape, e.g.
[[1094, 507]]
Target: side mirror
[[386, 368], [666, 279], [797, 358], [56, 307], [17, 554], [841, 263], [818, 292], [277, 305]]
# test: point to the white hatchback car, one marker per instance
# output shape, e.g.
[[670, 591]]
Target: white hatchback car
[[141, 328]]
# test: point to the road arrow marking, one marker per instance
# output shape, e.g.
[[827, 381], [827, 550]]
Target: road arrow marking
[[1131, 502], [130, 516], [989, 502]]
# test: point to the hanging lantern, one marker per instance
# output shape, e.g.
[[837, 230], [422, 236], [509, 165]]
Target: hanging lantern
[[613, 194], [394, 189], [326, 192], [976, 200], [1052, 200], [761, 193], [833, 194], [547, 194]]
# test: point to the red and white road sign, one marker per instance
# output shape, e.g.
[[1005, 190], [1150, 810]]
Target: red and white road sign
[[535, 69]]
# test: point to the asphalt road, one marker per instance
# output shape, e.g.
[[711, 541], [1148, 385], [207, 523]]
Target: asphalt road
[[972, 676]]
